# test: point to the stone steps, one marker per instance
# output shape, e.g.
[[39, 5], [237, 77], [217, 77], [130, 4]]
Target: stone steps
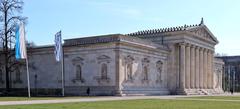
[[201, 91], [195, 92]]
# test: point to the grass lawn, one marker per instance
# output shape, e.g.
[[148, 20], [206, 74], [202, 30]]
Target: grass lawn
[[217, 97], [134, 104]]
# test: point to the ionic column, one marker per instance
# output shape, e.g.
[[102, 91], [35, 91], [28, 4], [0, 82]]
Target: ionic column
[[187, 67], [209, 64], [192, 68], [201, 68], [205, 69], [212, 70], [182, 66], [197, 76]]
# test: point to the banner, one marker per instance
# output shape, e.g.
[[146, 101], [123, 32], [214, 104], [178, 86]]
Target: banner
[[58, 46], [20, 50]]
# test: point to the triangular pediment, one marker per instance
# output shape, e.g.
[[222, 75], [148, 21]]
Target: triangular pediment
[[204, 33]]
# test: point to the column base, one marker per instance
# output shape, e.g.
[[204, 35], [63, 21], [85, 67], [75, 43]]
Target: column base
[[181, 92]]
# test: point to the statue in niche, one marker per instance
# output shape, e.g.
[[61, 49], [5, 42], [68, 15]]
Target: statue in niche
[[128, 68], [145, 73], [129, 71], [159, 66], [145, 64]]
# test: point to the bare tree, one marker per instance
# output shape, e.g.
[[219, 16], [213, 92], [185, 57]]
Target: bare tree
[[10, 11]]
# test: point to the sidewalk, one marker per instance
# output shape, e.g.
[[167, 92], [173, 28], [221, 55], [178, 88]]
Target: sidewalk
[[108, 98], [92, 99]]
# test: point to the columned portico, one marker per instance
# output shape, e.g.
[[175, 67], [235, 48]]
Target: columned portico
[[196, 67]]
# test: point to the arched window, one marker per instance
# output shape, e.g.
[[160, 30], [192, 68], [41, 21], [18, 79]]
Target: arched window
[[104, 71], [78, 72]]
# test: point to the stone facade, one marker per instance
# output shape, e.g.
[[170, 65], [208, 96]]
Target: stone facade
[[178, 60]]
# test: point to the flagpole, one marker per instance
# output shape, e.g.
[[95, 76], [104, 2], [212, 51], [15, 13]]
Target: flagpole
[[63, 75], [62, 62], [28, 79], [21, 50]]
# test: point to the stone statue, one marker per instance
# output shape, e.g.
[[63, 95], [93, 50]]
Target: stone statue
[[129, 71], [159, 66], [128, 68], [145, 73]]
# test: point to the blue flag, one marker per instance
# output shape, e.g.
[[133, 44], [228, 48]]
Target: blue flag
[[58, 46], [20, 50]]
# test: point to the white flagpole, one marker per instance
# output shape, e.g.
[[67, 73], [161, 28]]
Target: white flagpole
[[63, 81], [28, 79], [62, 62], [23, 51], [59, 55]]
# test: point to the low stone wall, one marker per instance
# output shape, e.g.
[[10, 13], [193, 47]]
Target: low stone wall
[[93, 90], [34, 92]]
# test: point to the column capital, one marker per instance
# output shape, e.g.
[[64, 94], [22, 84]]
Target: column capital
[[211, 51], [201, 49], [182, 44], [197, 47], [188, 45], [205, 50], [193, 46]]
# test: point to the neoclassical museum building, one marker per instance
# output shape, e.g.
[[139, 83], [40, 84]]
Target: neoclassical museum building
[[176, 60]]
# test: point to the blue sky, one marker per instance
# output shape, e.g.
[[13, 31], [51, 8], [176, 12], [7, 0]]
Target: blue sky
[[81, 18]]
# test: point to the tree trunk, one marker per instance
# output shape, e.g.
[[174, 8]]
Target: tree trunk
[[6, 51]]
